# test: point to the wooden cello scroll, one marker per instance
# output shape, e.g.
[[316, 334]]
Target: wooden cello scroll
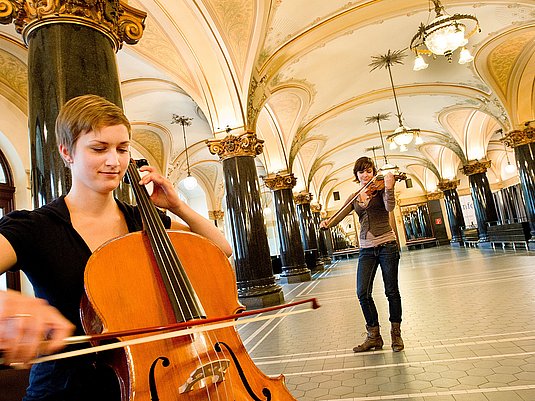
[[126, 288], [348, 205]]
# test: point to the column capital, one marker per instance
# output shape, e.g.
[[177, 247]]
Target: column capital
[[216, 214], [434, 195], [520, 137], [445, 185], [118, 21], [246, 144], [315, 207], [303, 198], [476, 167], [279, 181]]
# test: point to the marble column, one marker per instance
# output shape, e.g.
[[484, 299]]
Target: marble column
[[255, 280], [292, 254], [71, 52], [453, 208], [484, 206], [523, 142], [322, 234], [309, 234]]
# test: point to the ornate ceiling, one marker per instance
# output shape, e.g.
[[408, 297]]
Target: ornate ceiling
[[297, 73]]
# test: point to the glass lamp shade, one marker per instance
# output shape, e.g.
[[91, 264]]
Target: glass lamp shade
[[388, 166], [510, 168], [446, 37], [402, 135], [419, 63], [190, 182], [465, 56]]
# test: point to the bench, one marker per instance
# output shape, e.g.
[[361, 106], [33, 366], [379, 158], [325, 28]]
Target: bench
[[512, 233], [470, 236], [421, 243], [348, 253]]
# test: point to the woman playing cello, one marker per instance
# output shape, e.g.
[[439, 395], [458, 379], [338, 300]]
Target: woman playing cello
[[53, 243]]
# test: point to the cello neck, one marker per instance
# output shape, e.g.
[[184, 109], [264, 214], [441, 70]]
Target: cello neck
[[185, 302]]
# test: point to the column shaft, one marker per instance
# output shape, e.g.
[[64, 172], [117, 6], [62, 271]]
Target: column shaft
[[64, 61], [525, 161], [294, 268]]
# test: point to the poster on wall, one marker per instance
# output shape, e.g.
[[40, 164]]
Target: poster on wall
[[467, 206]]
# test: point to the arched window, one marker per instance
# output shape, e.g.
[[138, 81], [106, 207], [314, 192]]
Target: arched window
[[7, 190]]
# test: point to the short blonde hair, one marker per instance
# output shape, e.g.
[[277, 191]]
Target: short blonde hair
[[86, 113]]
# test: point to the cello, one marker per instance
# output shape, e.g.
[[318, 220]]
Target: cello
[[160, 278]]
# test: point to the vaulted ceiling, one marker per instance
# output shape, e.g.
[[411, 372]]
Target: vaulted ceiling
[[297, 72]]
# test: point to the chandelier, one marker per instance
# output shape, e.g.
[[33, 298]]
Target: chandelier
[[377, 119], [402, 135], [190, 182], [443, 35]]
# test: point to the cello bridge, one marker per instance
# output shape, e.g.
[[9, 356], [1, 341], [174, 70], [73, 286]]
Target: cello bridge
[[209, 373]]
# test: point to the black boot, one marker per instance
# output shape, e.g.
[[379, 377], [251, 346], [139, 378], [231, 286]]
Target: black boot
[[373, 340]]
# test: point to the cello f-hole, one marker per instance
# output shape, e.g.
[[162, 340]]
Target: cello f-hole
[[265, 390], [152, 380]]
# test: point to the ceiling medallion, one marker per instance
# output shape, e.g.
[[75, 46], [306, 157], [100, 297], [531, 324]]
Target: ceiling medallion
[[443, 35]]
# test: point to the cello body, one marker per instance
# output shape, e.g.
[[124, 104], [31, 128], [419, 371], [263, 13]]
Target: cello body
[[124, 290]]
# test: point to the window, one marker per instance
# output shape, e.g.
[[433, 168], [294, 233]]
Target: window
[[9, 280]]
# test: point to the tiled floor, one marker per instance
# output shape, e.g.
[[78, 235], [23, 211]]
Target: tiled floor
[[468, 326]]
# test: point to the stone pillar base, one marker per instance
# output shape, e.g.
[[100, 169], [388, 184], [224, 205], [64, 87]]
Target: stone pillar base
[[297, 277], [262, 300]]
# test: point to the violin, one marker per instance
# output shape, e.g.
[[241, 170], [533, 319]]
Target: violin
[[372, 188], [378, 184]]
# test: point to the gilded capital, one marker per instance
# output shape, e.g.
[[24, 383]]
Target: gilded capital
[[216, 214], [476, 167], [315, 207], [302, 198], [435, 195], [520, 137], [445, 185], [118, 21], [279, 181], [246, 144]]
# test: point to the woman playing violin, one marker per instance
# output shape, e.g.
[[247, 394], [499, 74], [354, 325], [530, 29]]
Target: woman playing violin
[[53, 243], [378, 247]]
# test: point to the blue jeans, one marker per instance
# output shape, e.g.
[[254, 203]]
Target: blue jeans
[[386, 256]]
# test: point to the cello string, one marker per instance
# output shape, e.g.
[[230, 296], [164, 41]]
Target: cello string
[[168, 257], [152, 230]]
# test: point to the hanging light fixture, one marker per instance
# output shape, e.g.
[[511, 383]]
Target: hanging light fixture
[[443, 35], [189, 182], [377, 119], [402, 135]]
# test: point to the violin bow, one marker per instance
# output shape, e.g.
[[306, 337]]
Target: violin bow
[[170, 331]]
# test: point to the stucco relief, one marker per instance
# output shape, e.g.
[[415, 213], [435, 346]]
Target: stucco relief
[[151, 142], [235, 18], [14, 74], [502, 59], [156, 46]]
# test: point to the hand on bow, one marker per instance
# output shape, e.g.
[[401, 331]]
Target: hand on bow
[[29, 327]]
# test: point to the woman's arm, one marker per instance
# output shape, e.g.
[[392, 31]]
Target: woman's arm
[[343, 212], [389, 197], [29, 327], [165, 196], [25, 321]]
